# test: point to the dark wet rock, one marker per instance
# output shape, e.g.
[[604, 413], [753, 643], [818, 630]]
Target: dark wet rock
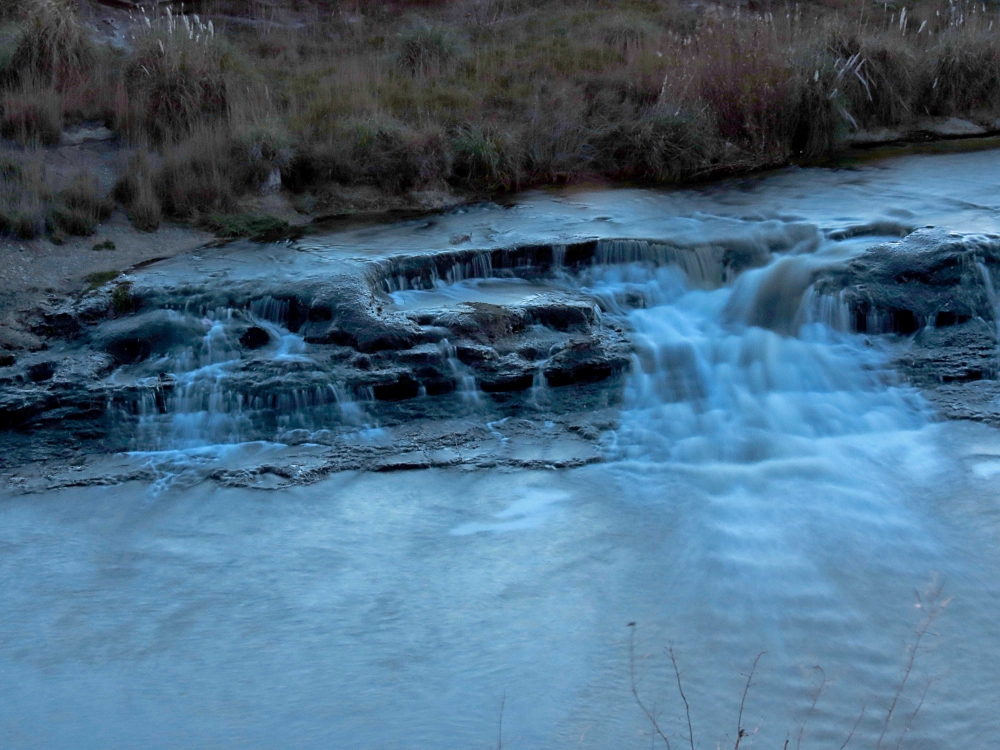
[[959, 353], [51, 392], [424, 355], [134, 338], [475, 355], [255, 337], [484, 323], [7, 360], [936, 287], [351, 315], [41, 371], [68, 318], [587, 360], [903, 286], [361, 362], [60, 321], [560, 314], [395, 384], [505, 374]]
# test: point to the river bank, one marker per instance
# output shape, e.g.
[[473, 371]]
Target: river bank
[[237, 119]]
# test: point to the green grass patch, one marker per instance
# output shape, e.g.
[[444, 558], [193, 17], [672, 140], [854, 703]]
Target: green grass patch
[[251, 226], [100, 278]]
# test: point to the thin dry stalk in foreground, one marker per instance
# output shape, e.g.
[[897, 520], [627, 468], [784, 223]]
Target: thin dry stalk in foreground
[[931, 603]]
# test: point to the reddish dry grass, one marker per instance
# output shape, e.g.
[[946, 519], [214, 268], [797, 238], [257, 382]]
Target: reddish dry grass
[[491, 95]]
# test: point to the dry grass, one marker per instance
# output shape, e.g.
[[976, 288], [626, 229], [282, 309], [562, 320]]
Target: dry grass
[[135, 191], [485, 96], [52, 46], [24, 195], [32, 114], [79, 208]]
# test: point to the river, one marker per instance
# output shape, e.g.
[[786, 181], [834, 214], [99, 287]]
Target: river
[[770, 485]]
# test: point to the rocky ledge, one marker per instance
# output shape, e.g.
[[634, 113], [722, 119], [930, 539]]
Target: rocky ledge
[[936, 290], [152, 358]]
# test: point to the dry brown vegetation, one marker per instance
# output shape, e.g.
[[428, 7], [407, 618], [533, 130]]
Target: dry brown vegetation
[[478, 96]]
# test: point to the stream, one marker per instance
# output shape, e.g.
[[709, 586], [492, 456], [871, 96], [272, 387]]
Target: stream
[[761, 480]]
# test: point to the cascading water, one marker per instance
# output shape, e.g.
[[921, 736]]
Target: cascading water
[[707, 386], [464, 379]]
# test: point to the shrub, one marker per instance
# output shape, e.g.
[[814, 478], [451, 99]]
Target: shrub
[[625, 34], [32, 115], [258, 152], [100, 278], [197, 176], [177, 78], [53, 46], [122, 300], [79, 208], [135, 191], [485, 159], [656, 148], [425, 49]]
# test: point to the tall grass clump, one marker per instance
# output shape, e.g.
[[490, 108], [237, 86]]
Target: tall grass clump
[[383, 154], [196, 177], [965, 76], [79, 208], [23, 196], [180, 76], [52, 47], [136, 192], [424, 49], [486, 158], [880, 86], [751, 91], [657, 148], [31, 114]]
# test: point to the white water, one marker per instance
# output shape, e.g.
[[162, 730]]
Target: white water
[[772, 487]]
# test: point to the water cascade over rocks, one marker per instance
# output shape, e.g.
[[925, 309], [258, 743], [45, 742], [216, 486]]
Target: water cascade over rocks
[[717, 344], [734, 416], [718, 331]]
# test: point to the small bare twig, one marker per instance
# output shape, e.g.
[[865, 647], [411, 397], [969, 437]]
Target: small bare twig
[[503, 702], [740, 731], [916, 710], [933, 608], [855, 725], [687, 708], [635, 689], [812, 708]]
